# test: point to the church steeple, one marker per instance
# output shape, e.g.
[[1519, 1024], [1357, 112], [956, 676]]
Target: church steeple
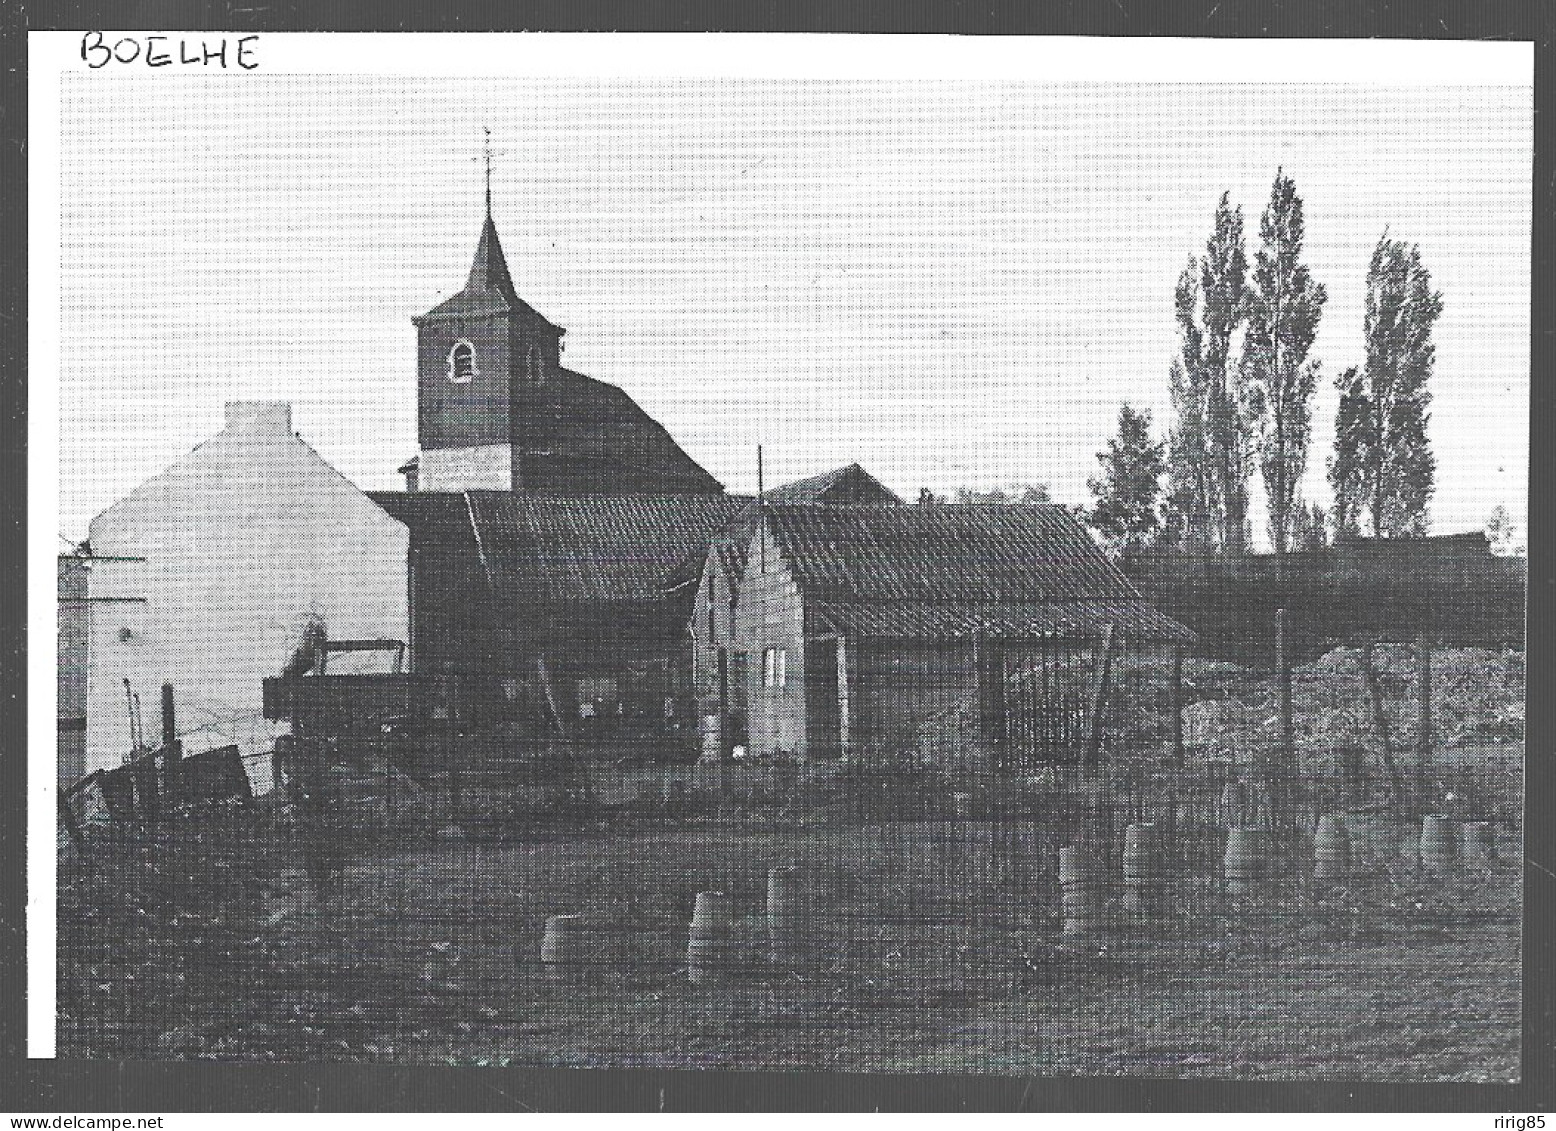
[[489, 272], [497, 411], [484, 355]]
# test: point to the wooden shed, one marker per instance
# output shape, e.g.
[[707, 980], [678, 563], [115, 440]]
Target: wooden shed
[[854, 625]]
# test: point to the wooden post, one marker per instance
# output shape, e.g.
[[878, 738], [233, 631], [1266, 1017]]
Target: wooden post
[[169, 729], [1424, 732], [172, 753], [551, 696], [1281, 788], [726, 740], [1381, 724], [1099, 820], [389, 798], [1099, 695], [1177, 708]]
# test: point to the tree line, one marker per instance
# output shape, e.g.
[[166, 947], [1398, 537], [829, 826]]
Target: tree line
[[1242, 386]]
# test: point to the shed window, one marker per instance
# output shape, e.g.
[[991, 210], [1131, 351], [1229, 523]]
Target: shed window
[[461, 363], [775, 667]]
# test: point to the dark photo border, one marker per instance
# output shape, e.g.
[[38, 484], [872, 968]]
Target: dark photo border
[[84, 1087]]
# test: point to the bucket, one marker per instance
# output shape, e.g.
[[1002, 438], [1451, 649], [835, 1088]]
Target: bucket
[[1243, 863], [709, 947], [1439, 844], [1234, 803], [1080, 890], [565, 949], [788, 915], [1145, 869], [1477, 843], [1331, 850]]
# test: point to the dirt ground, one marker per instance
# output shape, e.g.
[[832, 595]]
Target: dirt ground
[[922, 961]]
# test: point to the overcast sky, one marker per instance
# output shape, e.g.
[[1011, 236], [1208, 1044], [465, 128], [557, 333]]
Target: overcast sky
[[954, 283]]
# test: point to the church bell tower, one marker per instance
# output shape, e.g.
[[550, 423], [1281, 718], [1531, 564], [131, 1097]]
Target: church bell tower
[[482, 357]]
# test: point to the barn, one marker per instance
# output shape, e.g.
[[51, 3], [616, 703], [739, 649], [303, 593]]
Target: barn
[[554, 610], [852, 624]]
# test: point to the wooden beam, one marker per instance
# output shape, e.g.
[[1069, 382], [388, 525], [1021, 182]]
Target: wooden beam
[[843, 730], [1099, 695], [551, 697]]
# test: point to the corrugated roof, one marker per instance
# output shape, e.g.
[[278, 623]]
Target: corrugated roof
[[842, 486], [430, 515], [927, 620], [954, 568], [555, 548]]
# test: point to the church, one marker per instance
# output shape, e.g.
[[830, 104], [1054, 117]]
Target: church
[[571, 569], [546, 510]]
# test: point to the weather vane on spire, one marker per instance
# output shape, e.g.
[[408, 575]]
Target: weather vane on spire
[[486, 146]]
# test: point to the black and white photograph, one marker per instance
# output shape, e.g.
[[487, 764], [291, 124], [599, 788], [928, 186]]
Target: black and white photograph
[[910, 555]]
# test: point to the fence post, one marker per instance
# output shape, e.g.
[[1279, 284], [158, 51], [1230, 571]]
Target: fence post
[[1177, 709], [1099, 695], [1283, 788], [1381, 723], [1099, 822], [1424, 734]]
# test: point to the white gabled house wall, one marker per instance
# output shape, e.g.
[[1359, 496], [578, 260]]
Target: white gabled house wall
[[243, 540]]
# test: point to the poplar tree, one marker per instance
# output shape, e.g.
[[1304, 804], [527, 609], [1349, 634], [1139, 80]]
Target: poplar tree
[[1209, 458], [1383, 462], [1284, 305]]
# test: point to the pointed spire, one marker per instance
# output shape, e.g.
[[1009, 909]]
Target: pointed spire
[[489, 272]]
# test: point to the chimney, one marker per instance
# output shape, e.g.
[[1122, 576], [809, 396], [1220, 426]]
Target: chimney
[[265, 418], [411, 469]]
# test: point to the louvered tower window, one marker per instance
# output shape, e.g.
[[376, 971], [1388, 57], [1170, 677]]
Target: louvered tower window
[[461, 363]]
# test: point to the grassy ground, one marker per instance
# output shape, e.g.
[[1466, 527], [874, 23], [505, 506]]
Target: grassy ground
[[924, 960]]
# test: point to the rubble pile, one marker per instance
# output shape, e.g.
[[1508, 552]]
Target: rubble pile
[[1477, 699], [1230, 712]]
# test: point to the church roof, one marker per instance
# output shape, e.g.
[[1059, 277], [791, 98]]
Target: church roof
[[585, 436], [489, 288]]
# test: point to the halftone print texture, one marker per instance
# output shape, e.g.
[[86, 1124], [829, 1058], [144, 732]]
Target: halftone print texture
[[787, 579]]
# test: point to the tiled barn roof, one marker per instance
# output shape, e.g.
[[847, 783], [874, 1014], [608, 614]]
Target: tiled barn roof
[[931, 620], [844, 485], [556, 548], [951, 569]]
